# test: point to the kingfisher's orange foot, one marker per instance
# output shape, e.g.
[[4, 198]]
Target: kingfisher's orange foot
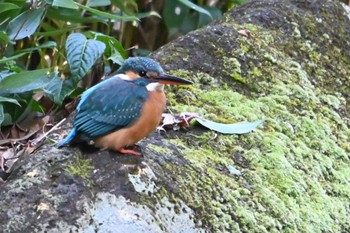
[[130, 150]]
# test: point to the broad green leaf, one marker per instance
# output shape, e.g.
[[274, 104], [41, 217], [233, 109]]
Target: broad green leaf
[[7, 59], [174, 14], [70, 15], [205, 19], [108, 15], [6, 6], [4, 39], [236, 128], [141, 52], [2, 114], [126, 6], [24, 81], [147, 14], [55, 32], [195, 7], [25, 24], [5, 73], [96, 3], [14, 113], [117, 58], [113, 46], [47, 44], [190, 23], [31, 106], [7, 120], [65, 4], [9, 100], [82, 53], [59, 88]]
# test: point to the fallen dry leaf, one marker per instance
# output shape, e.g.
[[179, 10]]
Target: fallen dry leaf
[[16, 141], [176, 120], [244, 32], [7, 159]]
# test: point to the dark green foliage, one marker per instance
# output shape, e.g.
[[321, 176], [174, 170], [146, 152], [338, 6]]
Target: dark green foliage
[[41, 49]]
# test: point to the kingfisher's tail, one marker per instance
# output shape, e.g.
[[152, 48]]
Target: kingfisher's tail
[[68, 139]]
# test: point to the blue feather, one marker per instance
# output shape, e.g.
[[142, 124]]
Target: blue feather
[[68, 139], [108, 106], [89, 91]]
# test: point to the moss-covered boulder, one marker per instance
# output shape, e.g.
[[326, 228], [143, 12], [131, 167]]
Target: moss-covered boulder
[[284, 61]]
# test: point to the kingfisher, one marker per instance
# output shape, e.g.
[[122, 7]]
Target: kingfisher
[[122, 110]]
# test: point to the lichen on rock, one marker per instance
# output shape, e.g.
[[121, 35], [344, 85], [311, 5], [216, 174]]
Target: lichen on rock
[[294, 168]]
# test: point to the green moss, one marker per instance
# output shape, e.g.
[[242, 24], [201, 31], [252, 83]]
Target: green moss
[[296, 30], [252, 27], [295, 167], [233, 69], [81, 167], [270, 58], [219, 53], [237, 77], [159, 149]]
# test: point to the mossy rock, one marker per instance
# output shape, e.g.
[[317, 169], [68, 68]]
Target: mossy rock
[[291, 70]]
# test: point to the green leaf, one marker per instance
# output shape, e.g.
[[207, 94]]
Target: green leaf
[[237, 128], [82, 53], [50, 31], [174, 14], [6, 6], [96, 3], [58, 89], [24, 81], [126, 6], [70, 15], [5, 73], [141, 52], [7, 119], [25, 24], [9, 100], [190, 23], [65, 4], [113, 46], [205, 19], [21, 113], [7, 59], [4, 39], [14, 113], [116, 58], [147, 14], [47, 44], [2, 114], [195, 7], [108, 15]]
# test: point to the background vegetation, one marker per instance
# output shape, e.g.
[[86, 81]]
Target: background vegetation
[[39, 68], [48, 46]]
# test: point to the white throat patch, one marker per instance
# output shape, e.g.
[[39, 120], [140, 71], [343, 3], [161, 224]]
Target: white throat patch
[[155, 87], [123, 76]]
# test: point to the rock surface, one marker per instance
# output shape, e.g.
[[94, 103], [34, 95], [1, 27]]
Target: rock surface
[[292, 174]]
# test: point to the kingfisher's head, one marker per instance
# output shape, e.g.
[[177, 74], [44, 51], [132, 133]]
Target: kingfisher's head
[[149, 70]]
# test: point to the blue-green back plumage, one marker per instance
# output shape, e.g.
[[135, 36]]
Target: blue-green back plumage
[[110, 105], [116, 103]]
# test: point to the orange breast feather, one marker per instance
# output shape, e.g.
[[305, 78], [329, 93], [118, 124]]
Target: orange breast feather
[[142, 127]]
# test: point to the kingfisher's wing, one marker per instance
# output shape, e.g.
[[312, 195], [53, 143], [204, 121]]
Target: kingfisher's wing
[[110, 105]]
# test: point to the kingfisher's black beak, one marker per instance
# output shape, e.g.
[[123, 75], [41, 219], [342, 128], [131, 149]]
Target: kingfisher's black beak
[[171, 80]]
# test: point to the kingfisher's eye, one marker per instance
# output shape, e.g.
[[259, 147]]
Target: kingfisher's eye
[[142, 73]]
